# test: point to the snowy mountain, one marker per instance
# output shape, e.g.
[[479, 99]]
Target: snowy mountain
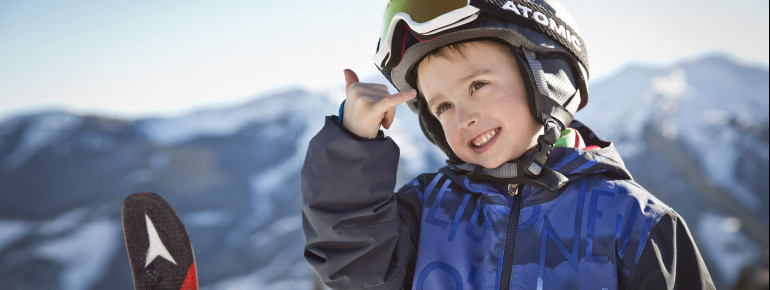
[[231, 173], [695, 134]]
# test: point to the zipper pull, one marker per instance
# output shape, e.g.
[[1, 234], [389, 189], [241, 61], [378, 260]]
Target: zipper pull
[[513, 189]]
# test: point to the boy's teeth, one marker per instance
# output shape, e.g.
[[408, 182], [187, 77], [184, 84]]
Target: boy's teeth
[[482, 140]]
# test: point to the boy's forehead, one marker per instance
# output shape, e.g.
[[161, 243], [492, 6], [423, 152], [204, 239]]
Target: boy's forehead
[[474, 58], [461, 49]]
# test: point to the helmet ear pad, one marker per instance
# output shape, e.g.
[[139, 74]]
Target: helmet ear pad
[[551, 86], [432, 128]]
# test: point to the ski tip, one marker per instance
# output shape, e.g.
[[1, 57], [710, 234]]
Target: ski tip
[[159, 248], [139, 197]]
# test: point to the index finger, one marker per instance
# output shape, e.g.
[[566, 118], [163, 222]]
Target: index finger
[[396, 99]]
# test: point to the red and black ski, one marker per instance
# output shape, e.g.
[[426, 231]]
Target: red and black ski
[[158, 246]]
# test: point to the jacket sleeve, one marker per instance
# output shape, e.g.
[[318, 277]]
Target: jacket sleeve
[[356, 236], [670, 259]]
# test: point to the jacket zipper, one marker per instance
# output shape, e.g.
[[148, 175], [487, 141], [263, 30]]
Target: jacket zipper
[[510, 237]]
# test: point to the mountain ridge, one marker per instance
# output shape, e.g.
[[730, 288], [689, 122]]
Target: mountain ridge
[[231, 173]]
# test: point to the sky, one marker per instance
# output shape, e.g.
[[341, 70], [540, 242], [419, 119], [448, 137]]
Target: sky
[[142, 58]]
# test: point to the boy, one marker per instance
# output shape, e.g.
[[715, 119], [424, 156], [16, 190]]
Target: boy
[[525, 201]]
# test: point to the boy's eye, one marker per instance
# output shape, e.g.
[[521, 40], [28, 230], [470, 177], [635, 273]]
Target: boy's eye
[[443, 107], [475, 86]]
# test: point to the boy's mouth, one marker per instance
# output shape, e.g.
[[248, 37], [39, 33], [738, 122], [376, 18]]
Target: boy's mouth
[[484, 139]]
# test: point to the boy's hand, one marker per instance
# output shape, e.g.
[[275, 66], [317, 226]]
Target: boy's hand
[[368, 106]]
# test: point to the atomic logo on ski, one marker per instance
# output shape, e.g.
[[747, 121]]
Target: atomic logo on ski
[[156, 249]]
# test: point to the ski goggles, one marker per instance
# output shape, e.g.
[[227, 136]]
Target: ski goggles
[[424, 17]]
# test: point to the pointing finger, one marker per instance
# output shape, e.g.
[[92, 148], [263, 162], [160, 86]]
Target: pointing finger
[[394, 100]]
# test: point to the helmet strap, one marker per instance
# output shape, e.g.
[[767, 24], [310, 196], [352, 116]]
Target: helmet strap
[[530, 170], [534, 163], [514, 172]]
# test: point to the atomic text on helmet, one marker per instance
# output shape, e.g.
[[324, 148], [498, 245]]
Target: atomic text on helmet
[[544, 20]]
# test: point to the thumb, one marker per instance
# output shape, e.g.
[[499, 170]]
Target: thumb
[[350, 78]]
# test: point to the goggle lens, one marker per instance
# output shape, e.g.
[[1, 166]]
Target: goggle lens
[[419, 11]]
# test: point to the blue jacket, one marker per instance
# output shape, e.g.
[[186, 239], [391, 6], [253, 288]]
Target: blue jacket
[[444, 230]]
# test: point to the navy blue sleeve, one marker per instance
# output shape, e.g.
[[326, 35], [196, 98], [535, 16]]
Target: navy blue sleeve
[[359, 234], [670, 259]]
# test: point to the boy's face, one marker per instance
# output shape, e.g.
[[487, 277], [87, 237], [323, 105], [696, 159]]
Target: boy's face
[[479, 98]]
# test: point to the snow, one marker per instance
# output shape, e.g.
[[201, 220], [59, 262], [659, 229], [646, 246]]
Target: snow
[[715, 119], [223, 122], [713, 106], [64, 223], [276, 229], [670, 88], [267, 181], [260, 215], [309, 111], [254, 281], [285, 225], [11, 231], [158, 162], [717, 150], [719, 237], [287, 270], [43, 130], [93, 142], [619, 108], [209, 218], [83, 253]]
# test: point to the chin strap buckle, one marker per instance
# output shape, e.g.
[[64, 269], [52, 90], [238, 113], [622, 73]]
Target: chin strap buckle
[[534, 164]]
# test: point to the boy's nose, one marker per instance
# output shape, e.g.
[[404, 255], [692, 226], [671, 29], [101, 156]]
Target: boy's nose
[[467, 119]]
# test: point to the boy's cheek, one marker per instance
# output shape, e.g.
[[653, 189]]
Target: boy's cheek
[[456, 145]]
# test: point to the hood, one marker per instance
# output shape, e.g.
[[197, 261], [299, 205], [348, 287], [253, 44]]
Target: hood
[[599, 156]]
